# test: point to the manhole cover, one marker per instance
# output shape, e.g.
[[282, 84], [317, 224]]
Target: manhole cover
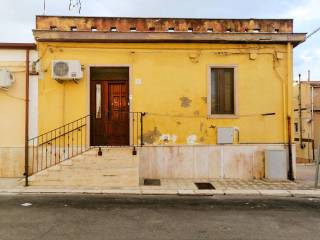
[[204, 186], [151, 182]]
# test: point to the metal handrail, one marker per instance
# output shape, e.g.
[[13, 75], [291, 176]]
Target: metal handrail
[[59, 128], [57, 145], [136, 119], [71, 140]]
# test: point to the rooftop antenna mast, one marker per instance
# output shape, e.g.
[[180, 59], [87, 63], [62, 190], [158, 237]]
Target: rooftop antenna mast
[[75, 4], [44, 7]]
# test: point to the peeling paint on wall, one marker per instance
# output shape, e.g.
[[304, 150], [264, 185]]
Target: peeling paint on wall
[[192, 139], [167, 138], [204, 99], [151, 136], [185, 102], [196, 113], [178, 123], [201, 126]]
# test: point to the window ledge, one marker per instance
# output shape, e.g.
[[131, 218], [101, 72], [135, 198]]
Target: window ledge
[[223, 116]]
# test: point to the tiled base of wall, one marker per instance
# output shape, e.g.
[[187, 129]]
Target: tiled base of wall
[[11, 161]]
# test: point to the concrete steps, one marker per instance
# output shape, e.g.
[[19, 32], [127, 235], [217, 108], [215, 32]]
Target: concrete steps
[[117, 167]]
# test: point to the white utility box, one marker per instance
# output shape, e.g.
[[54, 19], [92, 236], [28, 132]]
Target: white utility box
[[225, 135], [276, 164], [6, 78]]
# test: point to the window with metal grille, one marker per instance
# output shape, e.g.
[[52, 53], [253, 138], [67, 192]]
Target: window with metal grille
[[222, 91]]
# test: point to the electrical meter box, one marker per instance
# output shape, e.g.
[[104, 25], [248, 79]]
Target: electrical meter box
[[225, 135], [276, 164], [6, 79]]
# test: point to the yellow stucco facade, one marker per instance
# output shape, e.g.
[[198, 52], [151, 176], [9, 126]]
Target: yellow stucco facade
[[163, 77], [13, 111]]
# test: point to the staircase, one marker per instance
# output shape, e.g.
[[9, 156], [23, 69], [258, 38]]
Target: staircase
[[117, 167]]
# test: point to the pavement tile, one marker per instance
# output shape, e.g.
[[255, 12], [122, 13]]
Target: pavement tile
[[186, 192], [204, 192], [308, 193], [121, 191], [159, 192], [241, 192], [279, 193]]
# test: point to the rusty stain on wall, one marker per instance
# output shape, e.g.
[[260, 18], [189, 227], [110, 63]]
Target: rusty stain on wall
[[151, 136], [185, 102], [196, 113], [204, 99], [201, 126]]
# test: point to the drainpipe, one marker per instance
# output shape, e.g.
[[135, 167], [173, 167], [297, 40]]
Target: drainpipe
[[290, 170], [312, 122], [288, 113], [300, 115], [26, 142]]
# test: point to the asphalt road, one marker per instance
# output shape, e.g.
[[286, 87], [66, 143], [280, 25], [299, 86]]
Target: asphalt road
[[93, 217]]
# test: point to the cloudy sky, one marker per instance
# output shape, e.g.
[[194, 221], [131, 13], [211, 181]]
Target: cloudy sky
[[18, 16]]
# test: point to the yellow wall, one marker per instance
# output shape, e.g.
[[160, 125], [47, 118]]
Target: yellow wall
[[12, 112], [170, 72], [12, 117], [310, 129], [12, 107]]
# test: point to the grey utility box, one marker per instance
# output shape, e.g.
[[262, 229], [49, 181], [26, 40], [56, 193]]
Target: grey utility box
[[225, 135], [276, 164]]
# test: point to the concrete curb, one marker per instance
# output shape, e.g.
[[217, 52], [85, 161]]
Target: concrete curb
[[141, 191]]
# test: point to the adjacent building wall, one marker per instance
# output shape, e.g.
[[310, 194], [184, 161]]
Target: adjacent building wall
[[12, 112], [310, 120]]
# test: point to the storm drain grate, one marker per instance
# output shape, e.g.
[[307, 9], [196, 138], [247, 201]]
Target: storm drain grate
[[204, 186], [151, 182]]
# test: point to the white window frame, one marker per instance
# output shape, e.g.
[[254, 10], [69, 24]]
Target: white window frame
[[235, 86]]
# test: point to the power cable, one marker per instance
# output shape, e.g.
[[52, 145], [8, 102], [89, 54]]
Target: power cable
[[313, 33]]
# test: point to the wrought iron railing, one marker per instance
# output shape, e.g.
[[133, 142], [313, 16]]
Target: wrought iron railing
[[136, 128], [73, 139], [58, 145]]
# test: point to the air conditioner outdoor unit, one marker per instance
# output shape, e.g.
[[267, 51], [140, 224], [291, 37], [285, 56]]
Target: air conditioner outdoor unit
[[66, 70], [6, 79]]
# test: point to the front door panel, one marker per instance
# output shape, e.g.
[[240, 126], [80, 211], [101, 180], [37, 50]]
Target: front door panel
[[117, 109], [109, 113]]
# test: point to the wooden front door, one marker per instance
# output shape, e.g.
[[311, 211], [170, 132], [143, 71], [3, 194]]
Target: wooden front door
[[110, 113]]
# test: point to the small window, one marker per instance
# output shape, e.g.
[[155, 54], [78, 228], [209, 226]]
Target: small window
[[171, 29], [94, 29], [152, 29], [210, 30], [222, 91], [190, 29], [53, 28], [73, 29], [256, 30]]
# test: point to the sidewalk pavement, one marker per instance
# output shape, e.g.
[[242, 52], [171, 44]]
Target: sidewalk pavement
[[180, 187], [303, 186]]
